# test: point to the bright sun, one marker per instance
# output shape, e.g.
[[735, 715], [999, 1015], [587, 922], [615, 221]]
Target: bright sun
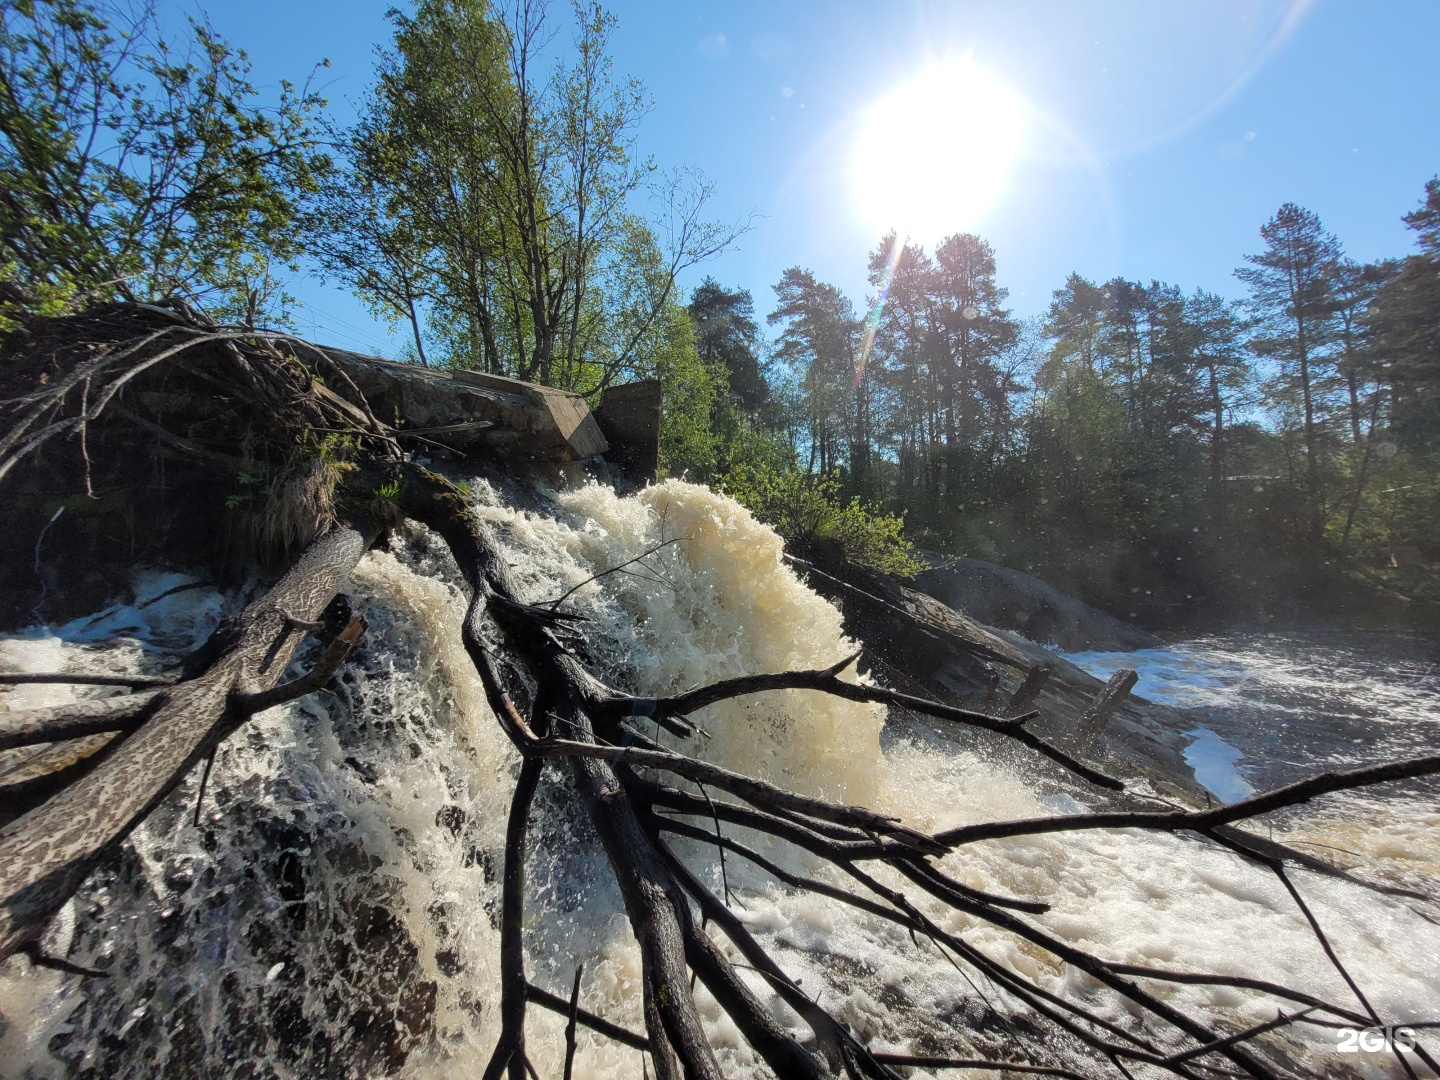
[[935, 154]]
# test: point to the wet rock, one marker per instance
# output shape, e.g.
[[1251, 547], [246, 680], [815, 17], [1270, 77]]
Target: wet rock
[[1011, 600]]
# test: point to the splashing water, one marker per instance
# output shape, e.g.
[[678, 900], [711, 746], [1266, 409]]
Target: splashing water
[[335, 912]]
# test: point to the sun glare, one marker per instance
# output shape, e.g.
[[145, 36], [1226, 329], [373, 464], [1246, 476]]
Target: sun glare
[[935, 154]]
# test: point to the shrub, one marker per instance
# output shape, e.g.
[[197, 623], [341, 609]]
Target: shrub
[[817, 524]]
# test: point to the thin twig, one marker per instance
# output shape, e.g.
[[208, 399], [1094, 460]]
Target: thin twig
[[1281, 1020], [597, 1024], [923, 1061], [204, 779], [574, 1018], [553, 604], [719, 845]]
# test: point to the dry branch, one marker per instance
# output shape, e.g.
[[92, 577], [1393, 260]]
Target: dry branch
[[45, 855], [597, 1024], [827, 681], [1201, 820], [922, 1061], [27, 727], [756, 792], [28, 678]]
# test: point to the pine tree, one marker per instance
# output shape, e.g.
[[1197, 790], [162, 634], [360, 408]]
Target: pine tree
[[820, 342], [727, 335], [1292, 301], [1405, 318]]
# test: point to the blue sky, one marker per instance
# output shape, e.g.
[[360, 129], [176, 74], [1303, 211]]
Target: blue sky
[[1144, 139]]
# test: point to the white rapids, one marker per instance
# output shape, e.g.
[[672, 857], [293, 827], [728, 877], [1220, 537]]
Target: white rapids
[[334, 912]]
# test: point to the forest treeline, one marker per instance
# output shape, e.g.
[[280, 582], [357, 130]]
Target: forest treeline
[[1171, 455]]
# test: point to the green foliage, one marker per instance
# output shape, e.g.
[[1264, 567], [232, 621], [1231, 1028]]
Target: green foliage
[[1405, 320], [1164, 456], [820, 343], [690, 390], [489, 194], [250, 487], [812, 515], [135, 169], [1293, 305], [727, 335]]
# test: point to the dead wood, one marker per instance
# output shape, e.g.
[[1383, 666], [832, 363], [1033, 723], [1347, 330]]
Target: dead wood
[[597, 1024], [1203, 820], [657, 910], [827, 681], [43, 770], [922, 1061], [572, 1019], [1026, 693], [26, 727], [510, 1047], [117, 758], [28, 678], [46, 854], [1104, 706]]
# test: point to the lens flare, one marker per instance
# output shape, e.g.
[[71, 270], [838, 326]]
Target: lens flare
[[935, 154], [877, 306]]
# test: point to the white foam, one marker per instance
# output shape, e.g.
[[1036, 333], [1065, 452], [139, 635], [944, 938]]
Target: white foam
[[415, 746]]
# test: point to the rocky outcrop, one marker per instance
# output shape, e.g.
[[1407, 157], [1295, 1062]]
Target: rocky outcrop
[[927, 648], [1011, 600]]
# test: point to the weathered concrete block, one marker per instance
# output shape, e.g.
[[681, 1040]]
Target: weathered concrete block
[[629, 416], [526, 421]]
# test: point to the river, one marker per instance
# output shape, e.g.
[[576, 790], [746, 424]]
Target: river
[[333, 912]]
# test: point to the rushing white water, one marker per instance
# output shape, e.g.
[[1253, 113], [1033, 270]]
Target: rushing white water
[[334, 913]]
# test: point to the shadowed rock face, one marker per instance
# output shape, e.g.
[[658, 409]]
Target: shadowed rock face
[[1011, 600], [928, 648]]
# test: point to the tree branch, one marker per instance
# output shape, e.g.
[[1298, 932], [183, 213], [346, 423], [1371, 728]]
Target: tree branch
[[26, 727], [1201, 820], [826, 681]]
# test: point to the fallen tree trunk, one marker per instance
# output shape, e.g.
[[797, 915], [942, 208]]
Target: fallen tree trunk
[[45, 855], [549, 705], [657, 909]]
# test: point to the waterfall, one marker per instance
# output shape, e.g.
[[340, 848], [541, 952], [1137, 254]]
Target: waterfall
[[335, 912]]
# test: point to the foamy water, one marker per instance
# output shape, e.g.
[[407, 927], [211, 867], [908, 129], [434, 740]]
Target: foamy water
[[335, 913], [1293, 702]]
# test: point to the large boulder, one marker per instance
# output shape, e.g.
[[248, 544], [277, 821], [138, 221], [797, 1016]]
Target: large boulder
[[1012, 600]]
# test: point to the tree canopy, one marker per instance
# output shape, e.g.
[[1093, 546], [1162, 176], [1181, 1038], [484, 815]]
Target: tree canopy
[[133, 168], [494, 200]]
